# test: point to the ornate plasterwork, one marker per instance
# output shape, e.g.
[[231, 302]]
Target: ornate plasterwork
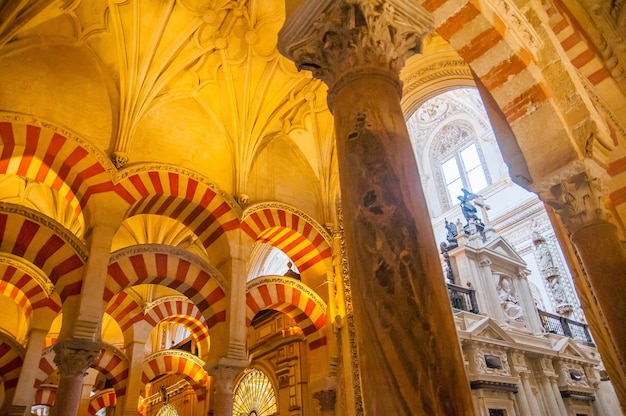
[[339, 39], [517, 24]]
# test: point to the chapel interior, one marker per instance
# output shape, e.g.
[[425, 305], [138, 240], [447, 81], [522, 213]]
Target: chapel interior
[[312, 207]]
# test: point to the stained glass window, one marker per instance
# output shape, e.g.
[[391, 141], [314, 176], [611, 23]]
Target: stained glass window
[[254, 395]]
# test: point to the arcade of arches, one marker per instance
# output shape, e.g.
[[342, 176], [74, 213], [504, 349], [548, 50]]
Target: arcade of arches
[[213, 206]]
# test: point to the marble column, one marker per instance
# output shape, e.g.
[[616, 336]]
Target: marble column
[[25, 390], [557, 395], [532, 400], [548, 394], [326, 400], [522, 400], [408, 348], [224, 375], [579, 201], [73, 357]]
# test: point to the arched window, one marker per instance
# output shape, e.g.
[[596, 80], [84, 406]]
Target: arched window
[[458, 162], [254, 395]]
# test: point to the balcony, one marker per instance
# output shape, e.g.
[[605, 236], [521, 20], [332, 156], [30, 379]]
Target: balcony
[[462, 298], [559, 325]]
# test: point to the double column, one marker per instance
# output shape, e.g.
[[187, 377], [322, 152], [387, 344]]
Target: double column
[[409, 355], [578, 197]]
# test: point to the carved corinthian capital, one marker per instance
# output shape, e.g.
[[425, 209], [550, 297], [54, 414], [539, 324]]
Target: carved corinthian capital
[[579, 200], [74, 356], [340, 39]]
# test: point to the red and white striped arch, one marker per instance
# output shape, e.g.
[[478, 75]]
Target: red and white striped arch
[[14, 293], [101, 400], [44, 243], [113, 364], [297, 235], [11, 359], [288, 296], [45, 397], [46, 367], [55, 158], [176, 362], [184, 198], [578, 46], [25, 289], [158, 265], [182, 312], [127, 311]]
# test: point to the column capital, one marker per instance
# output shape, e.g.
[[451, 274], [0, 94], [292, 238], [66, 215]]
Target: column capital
[[73, 356], [577, 195], [338, 40]]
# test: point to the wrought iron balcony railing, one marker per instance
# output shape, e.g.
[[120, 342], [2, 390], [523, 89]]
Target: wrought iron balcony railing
[[462, 298], [556, 324]]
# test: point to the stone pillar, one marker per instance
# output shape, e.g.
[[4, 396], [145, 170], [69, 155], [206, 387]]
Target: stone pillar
[[224, 375], [25, 390], [557, 395], [85, 395], [524, 406], [579, 201], [408, 346], [528, 304], [326, 400], [73, 357], [528, 390], [548, 394], [135, 351]]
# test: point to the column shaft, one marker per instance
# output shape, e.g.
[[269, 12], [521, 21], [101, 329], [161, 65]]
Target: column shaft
[[603, 259], [410, 359], [532, 401], [25, 390]]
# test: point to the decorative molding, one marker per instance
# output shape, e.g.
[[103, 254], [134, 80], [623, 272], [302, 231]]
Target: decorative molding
[[337, 40], [345, 274]]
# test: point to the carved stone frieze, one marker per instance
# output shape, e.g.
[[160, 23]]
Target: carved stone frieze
[[339, 39], [74, 356]]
